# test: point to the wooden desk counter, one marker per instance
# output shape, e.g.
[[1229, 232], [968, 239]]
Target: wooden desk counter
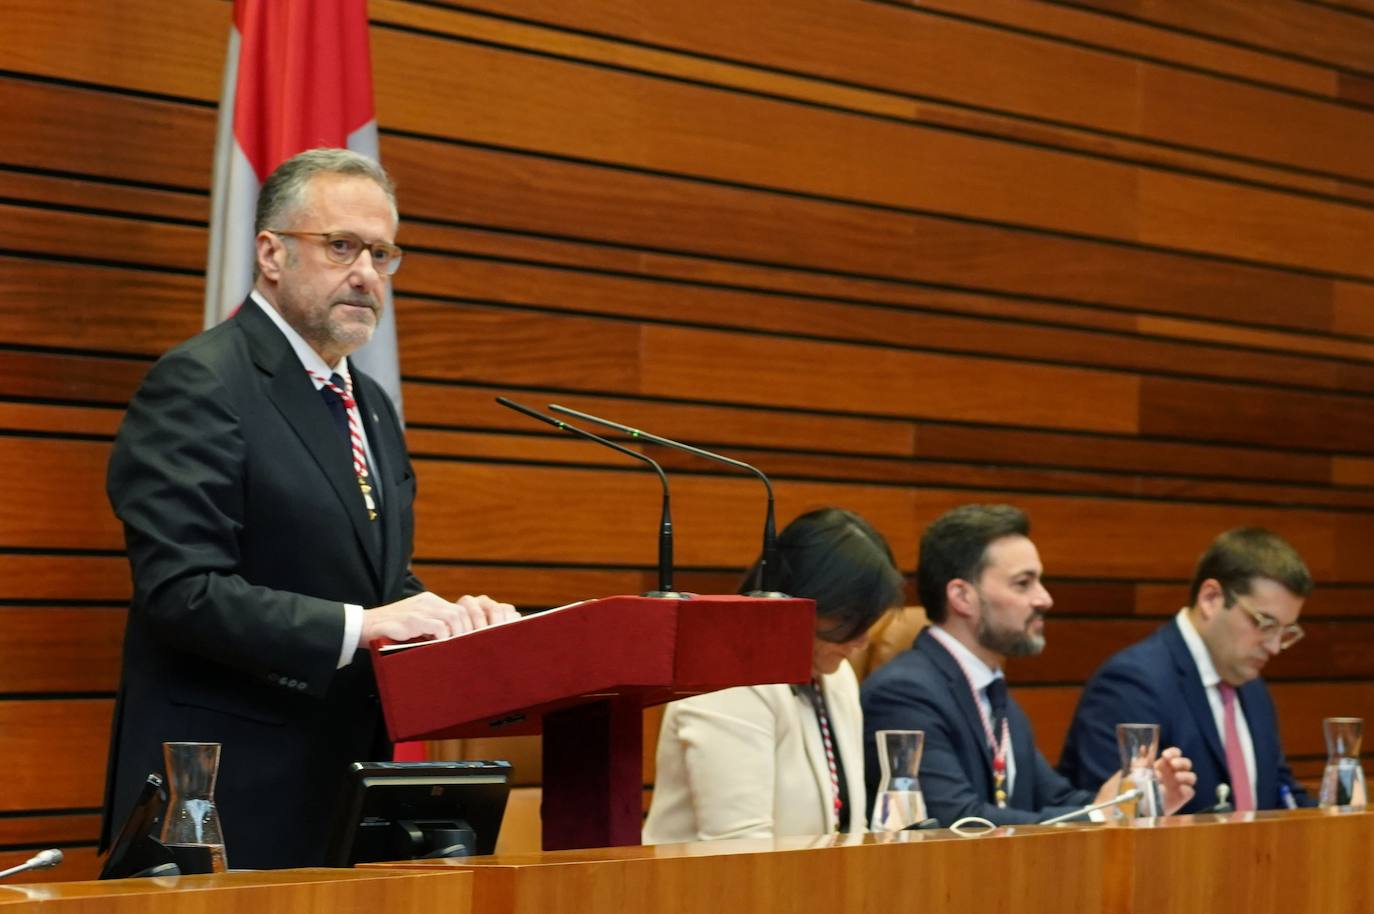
[[306, 891], [1026, 870], [1284, 862], [1281, 862]]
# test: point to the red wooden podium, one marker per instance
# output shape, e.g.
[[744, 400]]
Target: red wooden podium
[[582, 675]]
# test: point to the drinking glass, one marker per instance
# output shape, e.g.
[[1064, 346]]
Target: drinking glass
[[1139, 748], [191, 820], [899, 801], [1343, 781]]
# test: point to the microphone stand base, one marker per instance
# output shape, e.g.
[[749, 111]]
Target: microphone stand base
[[768, 595], [667, 595]]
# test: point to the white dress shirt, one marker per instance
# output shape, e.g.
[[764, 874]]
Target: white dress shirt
[[1211, 681]]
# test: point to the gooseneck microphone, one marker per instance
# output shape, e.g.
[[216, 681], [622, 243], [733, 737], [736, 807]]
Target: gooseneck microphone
[[43, 860], [767, 585], [1133, 794], [665, 526]]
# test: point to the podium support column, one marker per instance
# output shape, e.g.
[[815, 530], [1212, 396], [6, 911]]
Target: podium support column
[[593, 775]]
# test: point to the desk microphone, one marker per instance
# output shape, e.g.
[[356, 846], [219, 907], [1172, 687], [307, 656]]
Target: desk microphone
[[43, 860], [665, 525], [1223, 799], [768, 564], [1133, 794]]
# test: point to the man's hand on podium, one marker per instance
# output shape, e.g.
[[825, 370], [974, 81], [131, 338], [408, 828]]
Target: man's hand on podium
[[427, 615]]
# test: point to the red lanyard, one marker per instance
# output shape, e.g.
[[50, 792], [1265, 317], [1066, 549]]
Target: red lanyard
[[998, 748], [823, 719]]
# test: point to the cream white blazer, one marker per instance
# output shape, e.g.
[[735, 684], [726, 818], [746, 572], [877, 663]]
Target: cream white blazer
[[748, 763]]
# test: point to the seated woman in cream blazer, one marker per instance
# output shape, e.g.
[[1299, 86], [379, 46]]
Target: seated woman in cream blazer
[[754, 761]]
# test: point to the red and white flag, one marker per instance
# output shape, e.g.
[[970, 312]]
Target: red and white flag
[[298, 76]]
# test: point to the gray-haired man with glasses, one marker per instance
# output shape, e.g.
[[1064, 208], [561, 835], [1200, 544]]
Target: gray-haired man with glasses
[[267, 502], [1198, 677]]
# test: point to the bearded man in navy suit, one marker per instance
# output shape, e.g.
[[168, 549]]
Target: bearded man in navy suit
[[979, 577]]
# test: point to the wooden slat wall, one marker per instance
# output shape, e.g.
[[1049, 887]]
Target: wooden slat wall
[[1109, 260]]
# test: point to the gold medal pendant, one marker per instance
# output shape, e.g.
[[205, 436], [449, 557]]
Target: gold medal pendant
[[367, 498]]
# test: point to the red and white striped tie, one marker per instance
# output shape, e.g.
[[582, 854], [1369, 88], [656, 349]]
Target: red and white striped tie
[[355, 435], [829, 744]]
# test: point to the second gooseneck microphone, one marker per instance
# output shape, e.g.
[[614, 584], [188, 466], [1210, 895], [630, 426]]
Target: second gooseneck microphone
[[769, 569], [665, 526], [43, 860]]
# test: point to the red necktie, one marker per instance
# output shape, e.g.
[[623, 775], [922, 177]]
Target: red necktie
[[338, 396], [1241, 795]]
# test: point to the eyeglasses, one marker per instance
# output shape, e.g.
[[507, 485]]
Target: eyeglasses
[[1269, 627], [345, 248]]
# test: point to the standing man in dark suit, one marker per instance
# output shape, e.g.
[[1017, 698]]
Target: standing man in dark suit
[[266, 496], [979, 579], [1198, 677]]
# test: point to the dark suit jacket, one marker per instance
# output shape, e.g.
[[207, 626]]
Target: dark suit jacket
[[925, 689], [246, 533], [1156, 681]]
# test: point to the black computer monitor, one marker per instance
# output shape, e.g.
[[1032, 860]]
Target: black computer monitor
[[412, 810]]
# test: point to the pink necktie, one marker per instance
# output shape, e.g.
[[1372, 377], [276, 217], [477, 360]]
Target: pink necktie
[[1241, 795]]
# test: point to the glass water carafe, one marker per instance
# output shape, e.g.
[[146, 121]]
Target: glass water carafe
[[899, 801], [1138, 745], [191, 819], [1343, 781]]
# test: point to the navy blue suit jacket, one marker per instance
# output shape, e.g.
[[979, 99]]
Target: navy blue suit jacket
[[924, 688], [1156, 681]]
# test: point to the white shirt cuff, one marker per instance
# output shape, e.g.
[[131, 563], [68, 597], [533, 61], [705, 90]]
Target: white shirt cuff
[[353, 633]]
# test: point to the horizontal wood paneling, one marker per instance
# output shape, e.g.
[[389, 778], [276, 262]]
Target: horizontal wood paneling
[[555, 197], [715, 519], [60, 649], [30, 577], [78, 864], [29, 831], [54, 751], [69, 377], [1066, 23], [838, 236], [892, 471], [1220, 412], [650, 298], [1107, 261], [475, 407], [1075, 648], [907, 50], [55, 492], [120, 309], [1305, 30], [142, 139], [746, 369], [92, 34]]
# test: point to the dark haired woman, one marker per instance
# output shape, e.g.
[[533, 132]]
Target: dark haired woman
[[771, 760]]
